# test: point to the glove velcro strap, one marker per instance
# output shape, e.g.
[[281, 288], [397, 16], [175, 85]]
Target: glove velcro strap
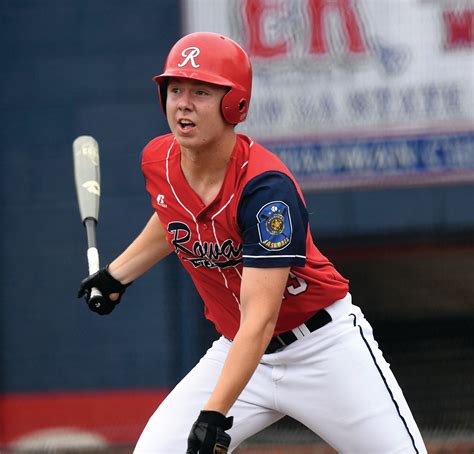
[[217, 419]]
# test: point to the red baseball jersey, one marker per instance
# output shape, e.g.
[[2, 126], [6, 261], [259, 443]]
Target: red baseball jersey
[[258, 219]]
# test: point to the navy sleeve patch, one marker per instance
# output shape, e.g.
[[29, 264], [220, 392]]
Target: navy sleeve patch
[[273, 222], [274, 226]]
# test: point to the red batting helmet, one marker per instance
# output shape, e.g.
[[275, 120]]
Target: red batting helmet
[[213, 58]]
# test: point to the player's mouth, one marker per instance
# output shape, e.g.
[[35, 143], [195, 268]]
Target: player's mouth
[[185, 126]]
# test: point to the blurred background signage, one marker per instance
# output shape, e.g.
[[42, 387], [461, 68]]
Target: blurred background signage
[[357, 92]]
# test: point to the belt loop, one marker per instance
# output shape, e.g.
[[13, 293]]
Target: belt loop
[[301, 331]]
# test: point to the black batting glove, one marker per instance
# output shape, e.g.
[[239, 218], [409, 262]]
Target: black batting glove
[[107, 284], [208, 434]]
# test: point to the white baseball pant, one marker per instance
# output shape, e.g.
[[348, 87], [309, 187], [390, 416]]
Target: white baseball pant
[[333, 380]]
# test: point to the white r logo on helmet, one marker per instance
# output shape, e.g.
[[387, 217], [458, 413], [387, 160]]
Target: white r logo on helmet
[[189, 54]]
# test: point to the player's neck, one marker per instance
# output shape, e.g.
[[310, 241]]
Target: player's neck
[[205, 168]]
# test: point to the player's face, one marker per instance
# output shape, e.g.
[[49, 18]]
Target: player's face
[[193, 110]]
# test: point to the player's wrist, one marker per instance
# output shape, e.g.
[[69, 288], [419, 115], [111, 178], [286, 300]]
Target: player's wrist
[[111, 281], [117, 273], [216, 406]]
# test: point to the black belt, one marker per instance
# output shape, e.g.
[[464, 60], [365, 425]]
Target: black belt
[[282, 340]]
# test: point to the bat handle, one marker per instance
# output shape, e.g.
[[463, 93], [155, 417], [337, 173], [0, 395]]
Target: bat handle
[[93, 263]]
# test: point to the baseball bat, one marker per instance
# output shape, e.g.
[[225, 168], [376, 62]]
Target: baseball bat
[[85, 151]]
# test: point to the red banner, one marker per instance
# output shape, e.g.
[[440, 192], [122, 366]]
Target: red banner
[[95, 419]]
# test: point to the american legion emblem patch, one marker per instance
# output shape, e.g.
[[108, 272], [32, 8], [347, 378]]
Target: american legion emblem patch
[[274, 226]]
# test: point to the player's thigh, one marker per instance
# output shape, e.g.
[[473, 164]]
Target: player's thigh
[[249, 419], [254, 409], [357, 404]]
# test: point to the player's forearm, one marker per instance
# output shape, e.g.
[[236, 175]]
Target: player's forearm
[[261, 294], [246, 351], [146, 250]]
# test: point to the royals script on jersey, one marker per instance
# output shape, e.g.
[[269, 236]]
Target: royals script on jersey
[[258, 219]]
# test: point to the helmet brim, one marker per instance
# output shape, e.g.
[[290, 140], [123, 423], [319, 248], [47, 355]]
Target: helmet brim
[[162, 79]]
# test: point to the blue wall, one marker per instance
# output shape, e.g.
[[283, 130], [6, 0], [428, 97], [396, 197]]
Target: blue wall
[[72, 68]]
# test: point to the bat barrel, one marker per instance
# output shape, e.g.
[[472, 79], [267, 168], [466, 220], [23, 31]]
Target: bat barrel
[[87, 176]]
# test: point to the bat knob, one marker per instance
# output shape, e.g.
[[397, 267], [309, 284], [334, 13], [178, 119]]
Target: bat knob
[[101, 305]]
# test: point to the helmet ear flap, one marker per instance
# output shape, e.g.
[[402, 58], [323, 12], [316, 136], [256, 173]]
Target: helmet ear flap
[[162, 92], [235, 104]]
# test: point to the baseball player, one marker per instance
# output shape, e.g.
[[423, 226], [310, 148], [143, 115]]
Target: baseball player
[[292, 343]]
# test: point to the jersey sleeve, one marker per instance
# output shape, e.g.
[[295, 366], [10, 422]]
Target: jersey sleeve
[[273, 221]]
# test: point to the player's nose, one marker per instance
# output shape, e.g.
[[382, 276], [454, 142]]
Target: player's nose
[[184, 102]]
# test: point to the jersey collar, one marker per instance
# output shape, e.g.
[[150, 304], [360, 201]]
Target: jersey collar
[[186, 195]]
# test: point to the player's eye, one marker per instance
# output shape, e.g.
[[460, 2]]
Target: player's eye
[[201, 93]]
